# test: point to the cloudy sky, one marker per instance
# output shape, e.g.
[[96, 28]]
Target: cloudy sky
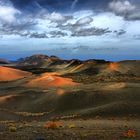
[[83, 29]]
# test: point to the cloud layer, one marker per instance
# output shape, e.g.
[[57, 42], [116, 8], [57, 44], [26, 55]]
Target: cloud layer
[[117, 22], [45, 24]]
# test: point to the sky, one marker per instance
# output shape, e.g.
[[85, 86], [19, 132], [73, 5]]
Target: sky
[[70, 29]]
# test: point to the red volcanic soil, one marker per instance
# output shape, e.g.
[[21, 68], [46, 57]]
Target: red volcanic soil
[[50, 80], [113, 66], [9, 74]]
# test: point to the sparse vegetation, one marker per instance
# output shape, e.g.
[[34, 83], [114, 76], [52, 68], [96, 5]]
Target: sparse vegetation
[[53, 125]]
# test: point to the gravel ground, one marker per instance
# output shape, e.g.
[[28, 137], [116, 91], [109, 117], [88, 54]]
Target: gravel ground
[[71, 130]]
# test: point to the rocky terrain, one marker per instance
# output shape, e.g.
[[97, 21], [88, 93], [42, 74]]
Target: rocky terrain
[[40, 88]]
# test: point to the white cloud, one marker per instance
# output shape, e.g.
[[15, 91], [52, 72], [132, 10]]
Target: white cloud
[[83, 13], [108, 20], [56, 17], [81, 17], [8, 13], [121, 7], [132, 27]]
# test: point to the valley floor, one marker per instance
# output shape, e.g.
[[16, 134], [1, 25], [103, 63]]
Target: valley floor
[[97, 129]]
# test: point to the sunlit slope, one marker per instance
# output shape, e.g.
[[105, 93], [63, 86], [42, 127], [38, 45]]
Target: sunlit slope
[[8, 74], [129, 68], [48, 80]]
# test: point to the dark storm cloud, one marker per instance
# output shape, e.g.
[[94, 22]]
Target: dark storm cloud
[[133, 16], [120, 32], [17, 28], [20, 26], [38, 35], [57, 34], [90, 32], [9, 31], [22, 30], [79, 23], [130, 10]]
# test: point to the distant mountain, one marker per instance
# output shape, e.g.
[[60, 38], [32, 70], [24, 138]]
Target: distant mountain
[[42, 63], [36, 60], [4, 61], [39, 59]]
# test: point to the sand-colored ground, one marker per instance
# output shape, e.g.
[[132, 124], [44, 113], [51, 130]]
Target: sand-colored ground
[[9, 74]]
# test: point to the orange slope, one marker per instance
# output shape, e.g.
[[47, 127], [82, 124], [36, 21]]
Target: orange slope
[[9, 74], [50, 80], [113, 66]]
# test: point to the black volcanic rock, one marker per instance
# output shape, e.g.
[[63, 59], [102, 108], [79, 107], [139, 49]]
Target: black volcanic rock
[[98, 61], [54, 57]]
